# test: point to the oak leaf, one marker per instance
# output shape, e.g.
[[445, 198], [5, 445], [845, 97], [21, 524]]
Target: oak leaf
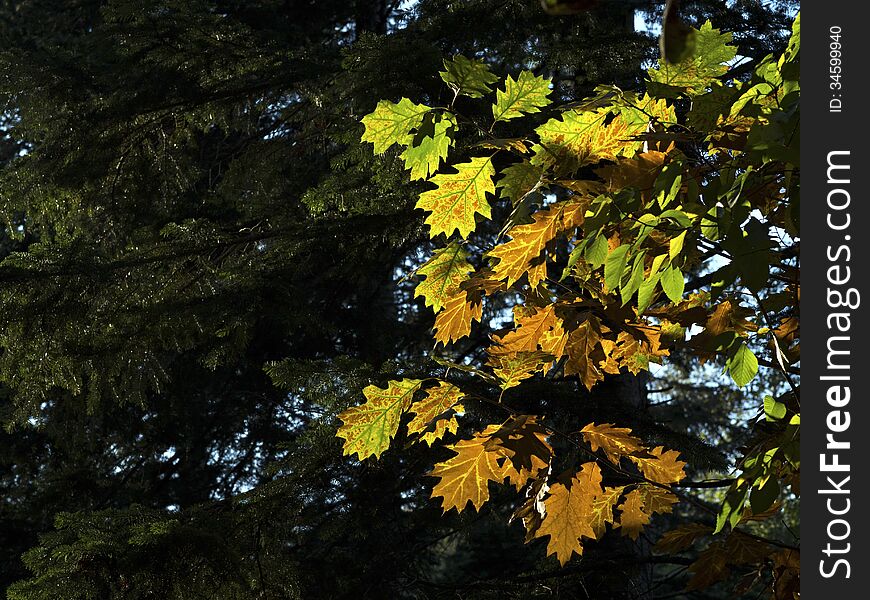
[[430, 420], [660, 466], [526, 94], [616, 442], [391, 123], [632, 516], [454, 322], [465, 477], [453, 204], [368, 428], [569, 510], [443, 273]]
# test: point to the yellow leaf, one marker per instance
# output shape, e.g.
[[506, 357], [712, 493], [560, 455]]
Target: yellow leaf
[[465, 477], [443, 273], [530, 329], [528, 241], [368, 428], [661, 467], [632, 517], [454, 322], [581, 138], [569, 511], [458, 197], [429, 412], [602, 509], [616, 442], [511, 369]]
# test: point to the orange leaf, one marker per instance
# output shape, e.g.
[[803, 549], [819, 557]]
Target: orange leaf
[[454, 322]]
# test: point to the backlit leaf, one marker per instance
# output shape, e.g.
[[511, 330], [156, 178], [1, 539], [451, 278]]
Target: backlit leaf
[[525, 95], [465, 477], [569, 511], [616, 442], [468, 76], [454, 322], [368, 428], [392, 123], [443, 273], [429, 412], [453, 204]]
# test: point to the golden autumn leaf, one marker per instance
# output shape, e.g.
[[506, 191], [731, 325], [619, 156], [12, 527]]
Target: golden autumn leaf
[[581, 138], [465, 477], [528, 242], [584, 352], [602, 509], [616, 442], [454, 322], [453, 204], [368, 428], [443, 273], [429, 412], [530, 330], [632, 516], [569, 512], [512, 369], [661, 467]]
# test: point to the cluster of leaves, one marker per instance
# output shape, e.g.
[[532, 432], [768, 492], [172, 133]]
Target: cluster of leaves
[[613, 204]]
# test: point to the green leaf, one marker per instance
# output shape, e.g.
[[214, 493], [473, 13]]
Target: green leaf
[[368, 428], [392, 123], [518, 179], [614, 266], [743, 365], [696, 73], [773, 409], [646, 291], [634, 280], [430, 144], [443, 273], [762, 498], [468, 76], [675, 245], [528, 94], [596, 251], [458, 197], [673, 284]]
